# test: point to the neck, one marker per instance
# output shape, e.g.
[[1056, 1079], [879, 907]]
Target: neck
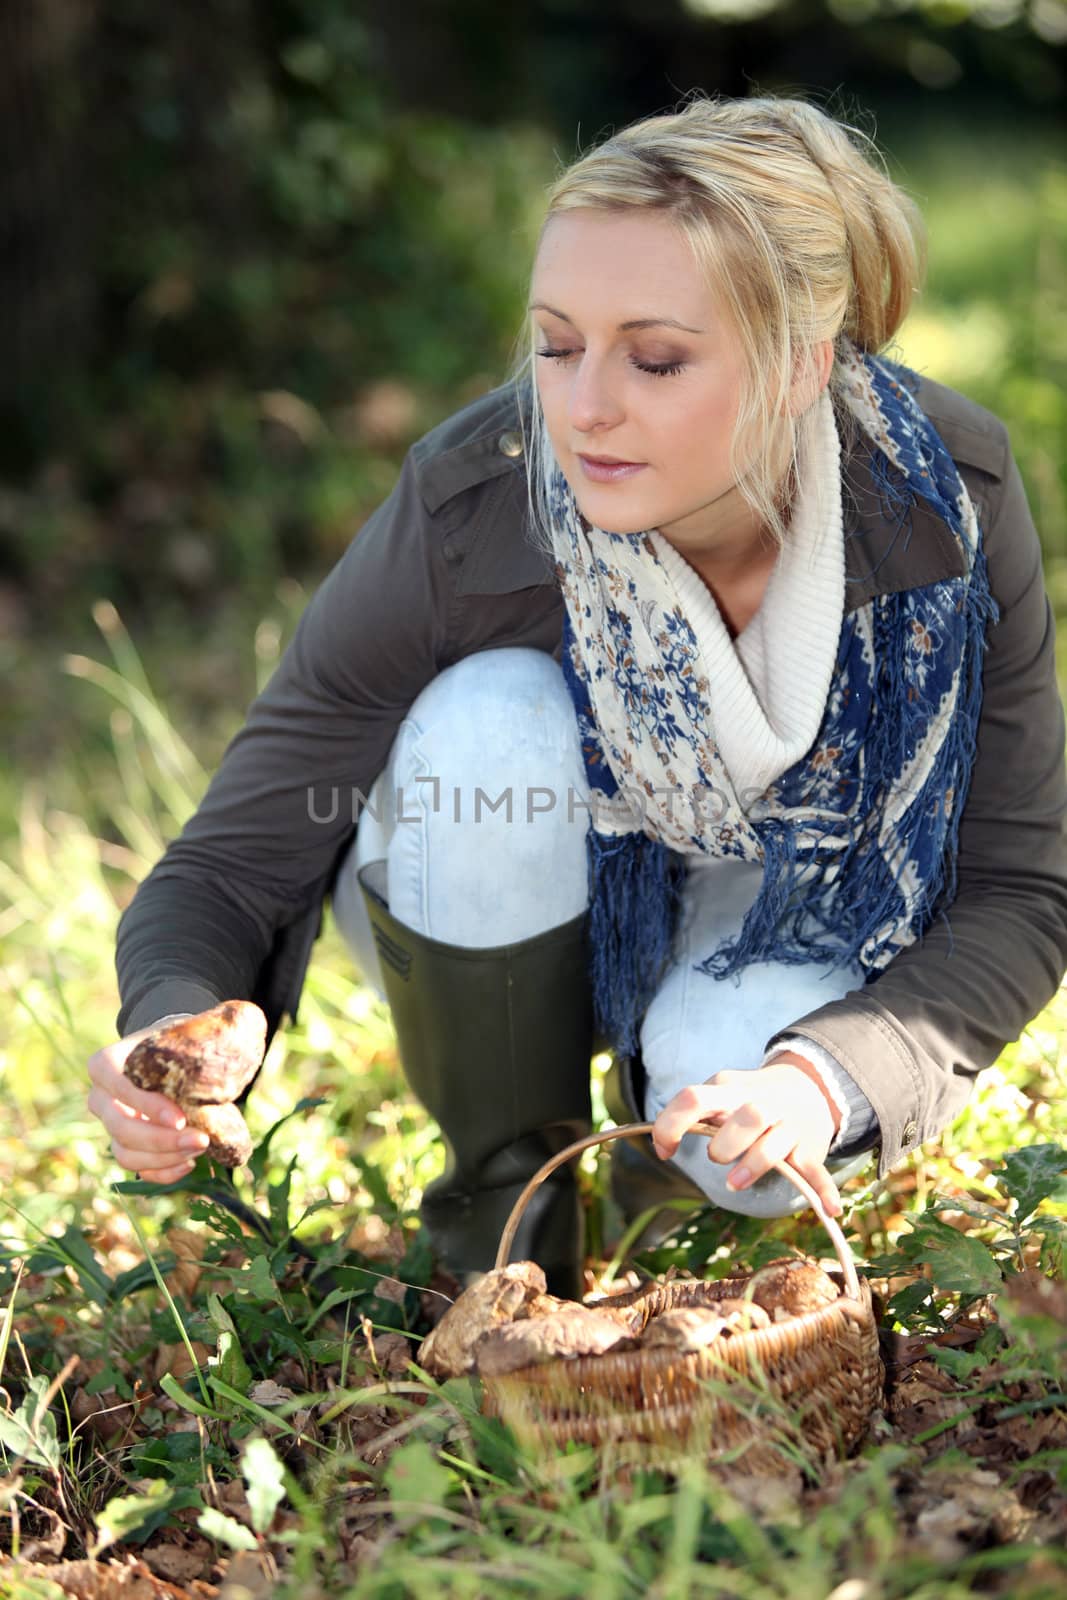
[[734, 555], [725, 534]]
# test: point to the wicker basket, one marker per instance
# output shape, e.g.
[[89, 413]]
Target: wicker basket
[[799, 1391]]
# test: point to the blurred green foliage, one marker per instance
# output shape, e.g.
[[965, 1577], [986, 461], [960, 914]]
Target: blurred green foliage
[[993, 319], [306, 227]]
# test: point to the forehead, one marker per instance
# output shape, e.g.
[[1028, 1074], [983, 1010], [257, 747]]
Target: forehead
[[639, 261]]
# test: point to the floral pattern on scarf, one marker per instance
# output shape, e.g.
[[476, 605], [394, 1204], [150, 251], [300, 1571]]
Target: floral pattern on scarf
[[858, 839]]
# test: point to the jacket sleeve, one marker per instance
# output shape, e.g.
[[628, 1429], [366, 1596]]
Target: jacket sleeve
[[915, 1036], [255, 861]]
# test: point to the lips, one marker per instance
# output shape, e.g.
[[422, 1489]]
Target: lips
[[607, 469]]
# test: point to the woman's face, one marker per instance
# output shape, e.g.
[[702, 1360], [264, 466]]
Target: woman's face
[[638, 365]]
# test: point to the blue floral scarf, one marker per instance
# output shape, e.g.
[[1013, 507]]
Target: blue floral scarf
[[857, 840]]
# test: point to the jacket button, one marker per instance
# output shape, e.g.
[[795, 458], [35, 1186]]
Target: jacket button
[[910, 1134], [510, 444]]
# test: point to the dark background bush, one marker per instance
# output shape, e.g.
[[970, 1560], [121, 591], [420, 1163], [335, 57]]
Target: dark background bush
[[250, 249]]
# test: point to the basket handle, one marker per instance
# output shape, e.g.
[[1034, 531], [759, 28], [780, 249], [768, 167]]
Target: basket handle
[[627, 1131]]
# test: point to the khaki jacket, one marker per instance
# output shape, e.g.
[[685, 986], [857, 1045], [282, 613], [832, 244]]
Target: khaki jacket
[[443, 569]]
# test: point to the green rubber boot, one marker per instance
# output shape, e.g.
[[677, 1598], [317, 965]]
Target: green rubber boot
[[496, 1044]]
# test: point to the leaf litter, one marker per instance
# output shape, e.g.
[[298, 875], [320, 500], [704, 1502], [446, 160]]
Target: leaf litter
[[317, 1418]]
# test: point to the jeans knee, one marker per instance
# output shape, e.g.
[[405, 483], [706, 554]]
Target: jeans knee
[[496, 731], [482, 810], [520, 693]]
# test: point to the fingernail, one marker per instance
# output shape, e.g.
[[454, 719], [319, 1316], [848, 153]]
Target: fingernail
[[738, 1178], [173, 1119], [193, 1141]]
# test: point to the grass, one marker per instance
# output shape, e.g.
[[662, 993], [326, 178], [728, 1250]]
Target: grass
[[185, 1387]]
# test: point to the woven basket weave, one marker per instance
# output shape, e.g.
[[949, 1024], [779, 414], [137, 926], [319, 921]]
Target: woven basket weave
[[800, 1389]]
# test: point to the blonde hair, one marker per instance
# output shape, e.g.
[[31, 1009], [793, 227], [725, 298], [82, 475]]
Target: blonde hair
[[800, 233]]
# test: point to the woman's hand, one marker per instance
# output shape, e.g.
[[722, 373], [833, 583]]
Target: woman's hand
[[776, 1113], [148, 1131]]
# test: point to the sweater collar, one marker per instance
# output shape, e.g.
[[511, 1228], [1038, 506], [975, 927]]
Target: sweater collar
[[767, 689]]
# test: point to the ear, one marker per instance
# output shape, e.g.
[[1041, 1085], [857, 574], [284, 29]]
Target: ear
[[812, 376]]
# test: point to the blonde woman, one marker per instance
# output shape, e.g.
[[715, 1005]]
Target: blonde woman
[[692, 694]]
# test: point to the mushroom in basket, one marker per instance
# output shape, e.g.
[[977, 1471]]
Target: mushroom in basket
[[792, 1286], [506, 1321]]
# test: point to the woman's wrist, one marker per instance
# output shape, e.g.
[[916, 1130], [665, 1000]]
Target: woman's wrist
[[790, 1058], [860, 1125]]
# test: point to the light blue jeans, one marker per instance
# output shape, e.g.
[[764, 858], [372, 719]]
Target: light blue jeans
[[475, 835]]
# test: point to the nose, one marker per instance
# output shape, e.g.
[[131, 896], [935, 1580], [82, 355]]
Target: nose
[[593, 402]]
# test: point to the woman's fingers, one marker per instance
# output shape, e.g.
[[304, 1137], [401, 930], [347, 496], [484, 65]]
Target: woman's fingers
[[105, 1072], [779, 1144], [809, 1166], [170, 1176], [773, 1114], [148, 1131], [144, 1147], [154, 1164], [739, 1132], [131, 1128], [697, 1102]]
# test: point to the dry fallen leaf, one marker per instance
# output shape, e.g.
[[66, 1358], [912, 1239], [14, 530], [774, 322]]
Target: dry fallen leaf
[[91, 1580], [250, 1575], [180, 1563], [104, 1415], [50, 1543], [234, 1501], [188, 1248], [174, 1358], [393, 1353], [268, 1393], [1031, 1293], [391, 1289]]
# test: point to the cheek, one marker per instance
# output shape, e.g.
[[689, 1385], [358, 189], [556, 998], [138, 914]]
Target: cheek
[[719, 404], [709, 425], [552, 398]]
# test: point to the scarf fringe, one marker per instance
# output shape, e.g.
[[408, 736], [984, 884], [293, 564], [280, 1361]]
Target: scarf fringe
[[635, 888]]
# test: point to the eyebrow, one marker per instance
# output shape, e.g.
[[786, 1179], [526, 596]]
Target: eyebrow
[[624, 327]]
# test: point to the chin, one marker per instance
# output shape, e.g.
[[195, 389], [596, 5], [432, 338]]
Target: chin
[[615, 523], [621, 531]]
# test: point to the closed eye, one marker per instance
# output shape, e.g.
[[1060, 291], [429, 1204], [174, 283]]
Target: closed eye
[[664, 369]]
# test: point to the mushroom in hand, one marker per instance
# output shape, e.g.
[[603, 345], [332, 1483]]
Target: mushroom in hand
[[203, 1063]]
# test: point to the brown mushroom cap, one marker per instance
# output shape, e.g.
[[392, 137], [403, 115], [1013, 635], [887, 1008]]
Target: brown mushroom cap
[[546, 1305], [685, 1328], [231, 1142], [203, 1060], [572, 1331], [693, 1327], [792, 1286], [203, 1063], [498, 1296]]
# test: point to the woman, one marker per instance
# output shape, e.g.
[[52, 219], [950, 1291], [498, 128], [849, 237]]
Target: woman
[[696, 697]]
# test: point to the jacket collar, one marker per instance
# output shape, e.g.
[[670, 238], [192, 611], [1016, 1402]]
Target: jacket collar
[[885, 553]]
